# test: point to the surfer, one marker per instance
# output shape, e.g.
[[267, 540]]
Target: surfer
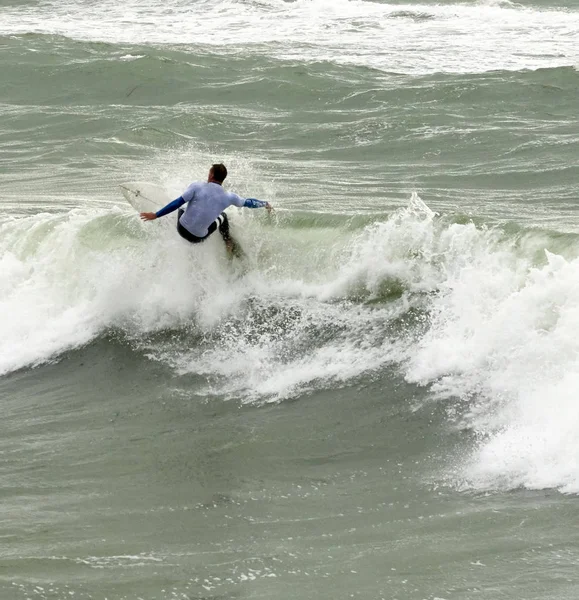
[[205, 205]]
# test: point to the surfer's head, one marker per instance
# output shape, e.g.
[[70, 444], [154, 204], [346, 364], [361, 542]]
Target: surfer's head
[[217, 173]]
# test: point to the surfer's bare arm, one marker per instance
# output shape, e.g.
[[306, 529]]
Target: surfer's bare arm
[[151, 216]]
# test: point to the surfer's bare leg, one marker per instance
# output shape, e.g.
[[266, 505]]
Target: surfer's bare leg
[[230, 244]]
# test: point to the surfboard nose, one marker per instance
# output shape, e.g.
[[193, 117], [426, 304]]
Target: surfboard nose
[[143, 196]]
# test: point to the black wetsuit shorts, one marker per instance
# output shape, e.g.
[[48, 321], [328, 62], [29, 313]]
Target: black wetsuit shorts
[[220, 223]]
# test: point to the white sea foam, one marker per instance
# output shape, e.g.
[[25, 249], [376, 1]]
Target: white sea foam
[[409, 38], [66, 278], [499, 337], [506, 339]]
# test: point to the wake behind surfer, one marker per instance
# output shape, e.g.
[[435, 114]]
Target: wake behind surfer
[[204, 214]]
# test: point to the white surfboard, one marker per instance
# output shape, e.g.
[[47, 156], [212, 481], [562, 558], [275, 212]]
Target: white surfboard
[[145, 197]]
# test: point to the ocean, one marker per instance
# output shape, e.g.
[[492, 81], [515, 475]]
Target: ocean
[[381, 400]]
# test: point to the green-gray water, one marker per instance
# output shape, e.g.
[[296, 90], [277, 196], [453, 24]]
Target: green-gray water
[[381, 402]]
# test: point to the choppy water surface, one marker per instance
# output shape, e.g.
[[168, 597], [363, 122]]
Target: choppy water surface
[[380, 401]]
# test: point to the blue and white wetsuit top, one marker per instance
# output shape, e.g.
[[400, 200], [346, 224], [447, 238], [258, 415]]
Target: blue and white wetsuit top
[[205, 202]]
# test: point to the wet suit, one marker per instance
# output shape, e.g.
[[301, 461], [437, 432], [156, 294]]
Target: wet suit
[[204, 212]]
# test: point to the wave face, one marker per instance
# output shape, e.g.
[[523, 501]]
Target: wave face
[[336, 111], [421, 38], [483, 317]]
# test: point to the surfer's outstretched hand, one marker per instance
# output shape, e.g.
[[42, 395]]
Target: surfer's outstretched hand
[[148, 216], [269, 208]]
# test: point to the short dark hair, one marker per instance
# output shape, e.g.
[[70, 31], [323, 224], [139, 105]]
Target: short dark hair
[[219, 172]]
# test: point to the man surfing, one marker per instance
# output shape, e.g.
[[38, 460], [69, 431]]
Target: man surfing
[[205, 205]]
